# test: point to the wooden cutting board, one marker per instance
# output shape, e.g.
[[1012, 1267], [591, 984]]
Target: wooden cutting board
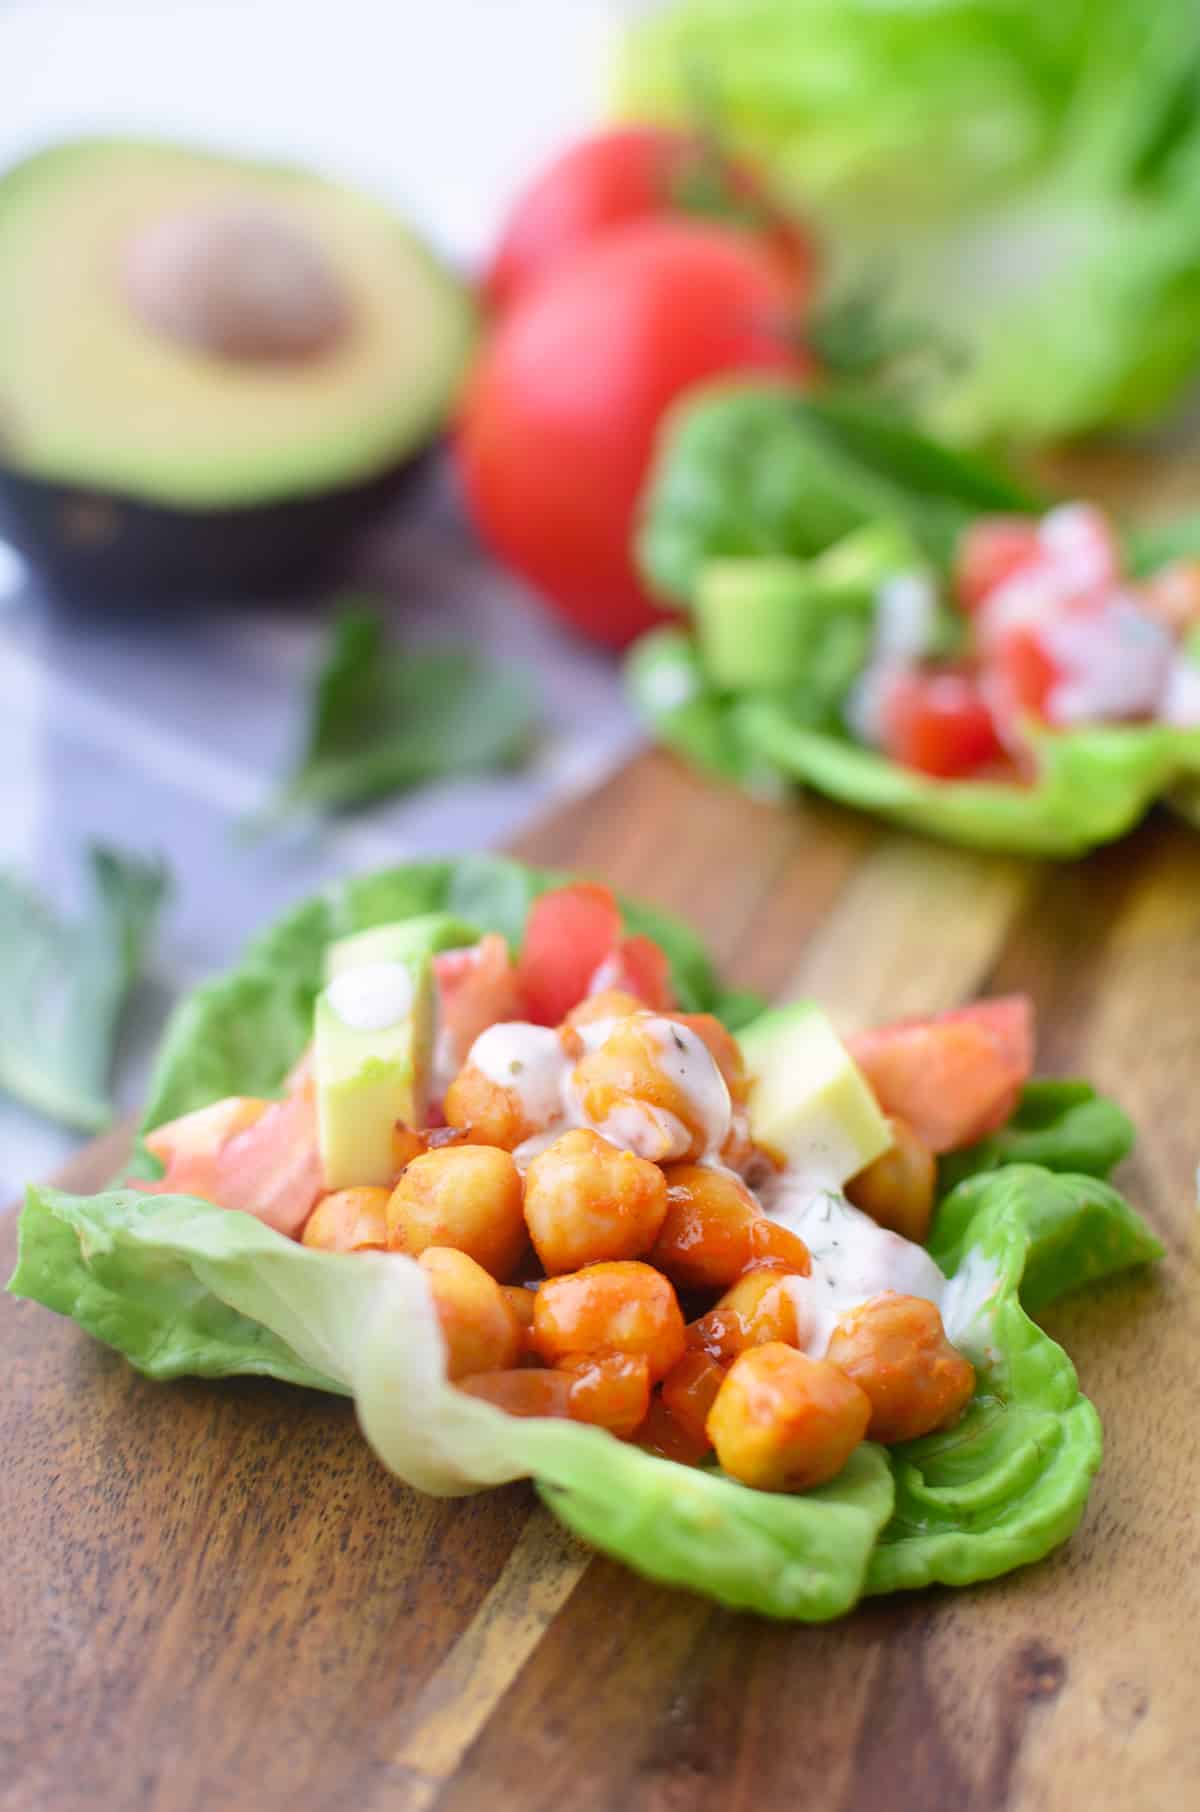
[[214, 1599]]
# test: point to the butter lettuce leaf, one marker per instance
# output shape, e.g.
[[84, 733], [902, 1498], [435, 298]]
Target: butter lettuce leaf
[[1010, 1481], [1059, 1125], [182, 1287], [1092, 784]]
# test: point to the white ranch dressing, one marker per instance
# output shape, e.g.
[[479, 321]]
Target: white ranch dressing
[[853, 1258], [528, 1061], [372, 997], [686, 1061]]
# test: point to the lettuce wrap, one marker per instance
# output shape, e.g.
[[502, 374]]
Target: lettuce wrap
[[185, 1288], [747, 476]]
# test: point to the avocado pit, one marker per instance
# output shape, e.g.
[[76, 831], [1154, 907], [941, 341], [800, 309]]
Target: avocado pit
[[237, 283]]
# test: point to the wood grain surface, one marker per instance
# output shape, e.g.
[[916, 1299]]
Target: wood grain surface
[[215, 1600]]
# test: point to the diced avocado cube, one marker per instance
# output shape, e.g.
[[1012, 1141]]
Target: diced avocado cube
[[371, 1059], [870, 554], [423, 935], [759, 620], [810, 1103]]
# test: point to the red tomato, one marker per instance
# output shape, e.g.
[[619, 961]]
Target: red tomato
[[631, 173], [991, 550], [273, 1168], [477, 988], [561, 410], [956, 1077], [638, 966], [935, 719], [568, 934], [1093, 660]]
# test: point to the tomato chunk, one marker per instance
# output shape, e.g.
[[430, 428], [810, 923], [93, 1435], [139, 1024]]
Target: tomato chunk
[[936, 720], [954, 1078], [570, 932], [477, 988], [991, 550], [638, 966], [273, 1168]]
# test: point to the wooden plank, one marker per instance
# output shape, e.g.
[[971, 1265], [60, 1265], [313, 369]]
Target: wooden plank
[[215, 1598]]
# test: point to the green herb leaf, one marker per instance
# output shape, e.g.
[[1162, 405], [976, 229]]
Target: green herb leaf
[[383, 718], [66, 984]]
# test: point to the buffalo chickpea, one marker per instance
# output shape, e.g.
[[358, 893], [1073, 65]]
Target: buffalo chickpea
[[898, 1189], [611, 1390], [484, 1111], [480, 1330], [714, 1230], [407, 1144], [723, 1047], [465, 1196], [585, 1201], [689, 1391], [609, 1308], [784, 1422], [654, 1087], [348, 1220], [895, 1349], [609, 1003], [759, 1308], [666, 1438]]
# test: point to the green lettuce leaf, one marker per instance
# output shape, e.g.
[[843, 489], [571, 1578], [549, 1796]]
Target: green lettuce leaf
[[1009, 1482], [1092, 785], [745, 469], [1028, 177], [186, 1288], [182, 1287], [1059, 1125]]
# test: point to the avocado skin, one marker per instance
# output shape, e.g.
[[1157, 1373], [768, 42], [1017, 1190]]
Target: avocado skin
[[101, 546]]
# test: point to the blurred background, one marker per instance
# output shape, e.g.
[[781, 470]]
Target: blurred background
[[258, 628]]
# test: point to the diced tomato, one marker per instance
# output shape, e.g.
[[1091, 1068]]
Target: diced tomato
[[1094, 660], [477, 988], [953, 1078], [570, 932], [637, 966], [935, 719], [993, 549], [189, 1147], [273, 1168]]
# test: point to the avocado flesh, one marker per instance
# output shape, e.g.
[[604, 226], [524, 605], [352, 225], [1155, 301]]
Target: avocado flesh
[[92, 398], [367, 1080], [810, 1103], [406, 939]]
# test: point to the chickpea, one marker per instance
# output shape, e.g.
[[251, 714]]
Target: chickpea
[[465, 1196], [609, 1308], [895, 1349], [784, 1422], [689, 1391], [610, 1003], [585, 1200], [758, 1309], [484, 1111], [724, 1049], [611, 1390], [522, 1393], [714, 1230], [661, 1435], [480, 1330], [655, 1086], [898, 1189], [520, 1301], [348, 1220], [407, 1144]]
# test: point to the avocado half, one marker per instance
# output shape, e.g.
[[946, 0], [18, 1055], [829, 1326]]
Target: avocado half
[[212, 373]]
